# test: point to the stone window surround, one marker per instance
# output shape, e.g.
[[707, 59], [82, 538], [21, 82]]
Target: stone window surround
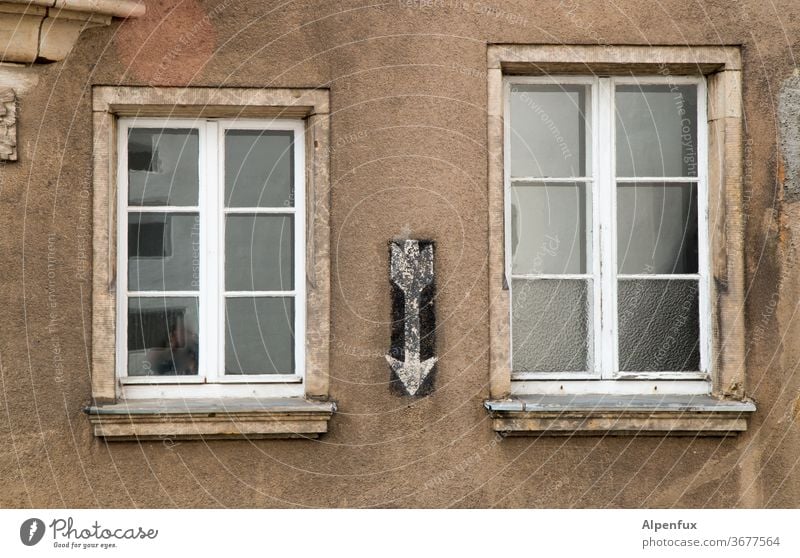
[[115, 419], [724, 411]]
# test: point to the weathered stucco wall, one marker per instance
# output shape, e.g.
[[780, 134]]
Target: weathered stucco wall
[[408, 103]]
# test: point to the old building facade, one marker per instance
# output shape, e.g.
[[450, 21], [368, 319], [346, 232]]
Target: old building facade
[[212, 295]]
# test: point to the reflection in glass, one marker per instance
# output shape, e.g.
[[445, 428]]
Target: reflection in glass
[[659, 325], [552, 325], [259, 253], [162, 336], [551, 228], [163, 251], [656, 228], [259, 335], [162, 166], [549, 130], [656, 129], [258, 168]]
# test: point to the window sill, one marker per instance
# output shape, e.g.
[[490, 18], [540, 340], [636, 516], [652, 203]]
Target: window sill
[[619, 415], [177, 419]]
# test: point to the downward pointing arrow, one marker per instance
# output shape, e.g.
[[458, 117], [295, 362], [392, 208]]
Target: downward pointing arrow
[[411, 271]]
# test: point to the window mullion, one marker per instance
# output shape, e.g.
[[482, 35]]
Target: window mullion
[[209, 251], [300, 250], [607, 202], [703, 264], [597, 194], [122, 251]]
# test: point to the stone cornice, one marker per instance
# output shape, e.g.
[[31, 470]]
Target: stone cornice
[[34, 31]]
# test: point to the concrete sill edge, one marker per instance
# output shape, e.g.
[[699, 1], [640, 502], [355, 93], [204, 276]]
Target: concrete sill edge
[[615, 415], [202, 419]]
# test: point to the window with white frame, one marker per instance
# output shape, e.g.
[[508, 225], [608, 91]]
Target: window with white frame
[[210, 258], [606, 231]]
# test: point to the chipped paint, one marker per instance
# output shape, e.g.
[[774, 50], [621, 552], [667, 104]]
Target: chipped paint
[[411, 271]]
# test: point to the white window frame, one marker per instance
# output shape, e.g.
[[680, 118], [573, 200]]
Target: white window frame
[[211, 381], [606, 378]]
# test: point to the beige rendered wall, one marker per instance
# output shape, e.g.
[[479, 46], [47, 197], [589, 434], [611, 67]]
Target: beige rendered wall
[[408, 104]]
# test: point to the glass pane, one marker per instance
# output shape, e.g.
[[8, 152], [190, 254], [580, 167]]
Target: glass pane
[[162, 336], [659, 325], [258, 168], [552, 325], [656, 130], [549, 130], [163, 252], [656, 228], [259, 253], [259, 335], [551, 228], [162, 166]]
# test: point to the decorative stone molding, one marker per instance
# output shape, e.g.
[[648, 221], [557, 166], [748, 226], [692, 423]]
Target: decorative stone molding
[[8, 124], [46, 30]]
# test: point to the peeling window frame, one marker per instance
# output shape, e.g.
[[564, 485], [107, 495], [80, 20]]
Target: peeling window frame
[[211, 379], [606, 376]]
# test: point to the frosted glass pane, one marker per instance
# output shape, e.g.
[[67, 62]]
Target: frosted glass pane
[[162, 166], [163, 252], [258, 168], [659, 325], [549, 130], [656, 130], [259, 253], [656, 228], [259, 336], [551, 228], [552, 325], [162, 336]]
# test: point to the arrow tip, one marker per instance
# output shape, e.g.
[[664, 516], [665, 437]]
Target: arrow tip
[[411, 374]]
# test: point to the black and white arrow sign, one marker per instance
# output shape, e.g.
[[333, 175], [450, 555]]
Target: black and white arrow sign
[[412, 271]]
